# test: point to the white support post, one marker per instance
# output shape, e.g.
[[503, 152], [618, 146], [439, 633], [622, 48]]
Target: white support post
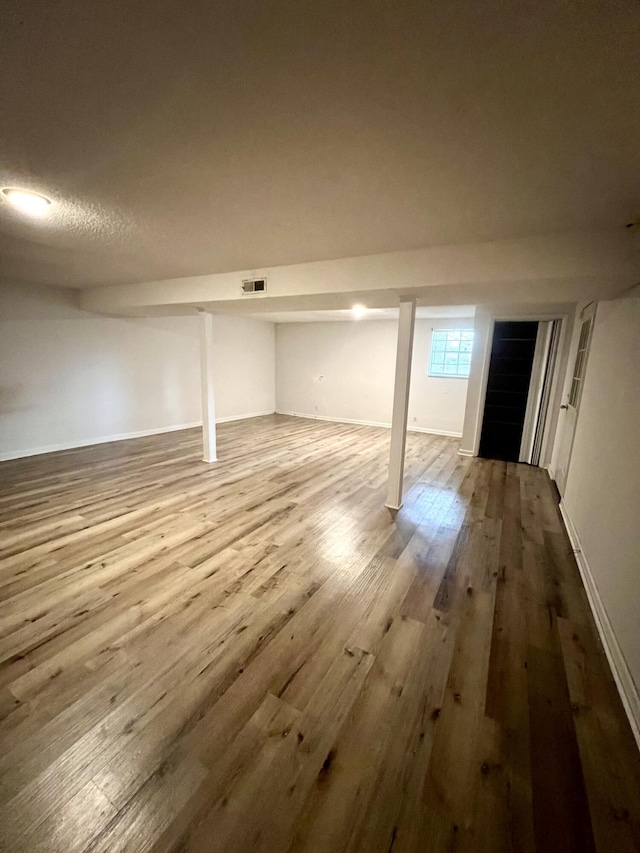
[[208, 395], [406, 325]]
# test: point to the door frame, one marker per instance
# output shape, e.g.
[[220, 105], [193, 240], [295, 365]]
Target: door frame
[[540, 387], [566, 316]]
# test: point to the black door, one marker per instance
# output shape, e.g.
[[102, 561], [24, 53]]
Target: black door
[[505, 407]]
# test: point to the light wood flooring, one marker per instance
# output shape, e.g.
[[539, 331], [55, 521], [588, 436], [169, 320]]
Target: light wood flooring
[[254, 656]]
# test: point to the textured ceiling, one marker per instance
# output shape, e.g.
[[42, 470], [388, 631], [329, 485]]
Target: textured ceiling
[[183, 139]]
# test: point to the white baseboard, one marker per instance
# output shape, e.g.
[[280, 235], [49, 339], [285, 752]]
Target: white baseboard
[[88, 442], [243, 417], [623, 678], [446, 432], [122, 436], [369, 423], [332, 420], [462, 452]]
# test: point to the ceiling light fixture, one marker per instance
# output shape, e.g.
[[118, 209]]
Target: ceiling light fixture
[[26, 201], [358, 311]]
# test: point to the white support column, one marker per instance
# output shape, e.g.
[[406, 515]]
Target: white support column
[[406, 325], [208, 395]]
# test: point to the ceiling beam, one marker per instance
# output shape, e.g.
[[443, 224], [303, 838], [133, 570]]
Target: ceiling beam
[[558, 267]]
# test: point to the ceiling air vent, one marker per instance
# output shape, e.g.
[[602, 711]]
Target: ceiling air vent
[[254, 285]]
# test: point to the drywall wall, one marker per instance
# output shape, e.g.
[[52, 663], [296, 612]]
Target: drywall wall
[[472, 424], [602, 495], [345, 371], [69, 377], [244, 371]]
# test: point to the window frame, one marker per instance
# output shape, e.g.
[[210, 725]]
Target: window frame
[[444, 331]]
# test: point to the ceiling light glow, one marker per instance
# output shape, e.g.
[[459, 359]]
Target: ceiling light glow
[[358, 311], [27, 202]]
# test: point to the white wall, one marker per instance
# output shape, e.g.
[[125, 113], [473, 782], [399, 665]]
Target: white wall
[[356, 361], [472, 423], [602, 495], [245, 367], [69, 377]]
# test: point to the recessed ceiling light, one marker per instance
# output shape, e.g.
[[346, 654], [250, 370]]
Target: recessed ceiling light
[[358, 311], [26, 201]]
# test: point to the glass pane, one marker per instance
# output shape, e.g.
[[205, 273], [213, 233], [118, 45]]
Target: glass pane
[[577, 372], [451, 352], [573, 395]]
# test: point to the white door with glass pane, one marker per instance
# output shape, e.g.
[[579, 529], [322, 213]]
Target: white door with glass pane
[[451, 353], [569, 409]]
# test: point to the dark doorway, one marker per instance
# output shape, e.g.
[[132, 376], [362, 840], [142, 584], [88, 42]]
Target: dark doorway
[[512, 351]]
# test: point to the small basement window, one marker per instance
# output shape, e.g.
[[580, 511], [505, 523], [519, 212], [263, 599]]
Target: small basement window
[[451, 353]]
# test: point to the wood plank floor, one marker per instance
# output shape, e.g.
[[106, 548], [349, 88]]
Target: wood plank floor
[[254, 656]]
